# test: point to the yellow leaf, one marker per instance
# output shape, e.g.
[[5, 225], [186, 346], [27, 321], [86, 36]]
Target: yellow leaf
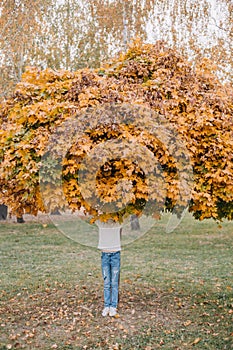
[[196, 341]]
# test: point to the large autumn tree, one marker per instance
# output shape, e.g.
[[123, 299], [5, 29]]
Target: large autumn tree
[[59, 125]]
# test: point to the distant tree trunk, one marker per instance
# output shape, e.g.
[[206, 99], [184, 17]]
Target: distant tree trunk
[[125, 29], [55, 212], [20, 219], [3, 212], [135, 225]]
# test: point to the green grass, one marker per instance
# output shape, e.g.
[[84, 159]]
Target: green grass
[[176, 290]]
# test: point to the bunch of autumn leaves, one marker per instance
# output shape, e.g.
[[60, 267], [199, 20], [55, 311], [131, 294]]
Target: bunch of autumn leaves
[[144, 133]]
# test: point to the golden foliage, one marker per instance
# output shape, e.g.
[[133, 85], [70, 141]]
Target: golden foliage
[[192, 101]]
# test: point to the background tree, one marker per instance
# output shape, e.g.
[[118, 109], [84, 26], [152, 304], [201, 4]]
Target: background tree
[[73, 34], [20, 24], [197, 28]]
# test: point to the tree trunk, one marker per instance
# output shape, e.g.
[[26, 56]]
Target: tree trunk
[[135, 225], [20, 219], [3, 212]]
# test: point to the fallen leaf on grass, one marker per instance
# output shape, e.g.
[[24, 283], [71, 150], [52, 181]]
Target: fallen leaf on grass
[[120, 326], [196, 341]]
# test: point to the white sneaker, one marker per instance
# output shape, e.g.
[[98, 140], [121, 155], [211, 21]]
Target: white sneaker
[[105, 311], [113, 311]]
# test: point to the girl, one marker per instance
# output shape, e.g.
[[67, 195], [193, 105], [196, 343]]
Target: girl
[[110, 245]]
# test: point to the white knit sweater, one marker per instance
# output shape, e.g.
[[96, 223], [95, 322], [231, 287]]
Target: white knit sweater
[[109, 236]]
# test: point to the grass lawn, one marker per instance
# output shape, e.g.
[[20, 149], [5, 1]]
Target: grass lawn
[[176, 290]]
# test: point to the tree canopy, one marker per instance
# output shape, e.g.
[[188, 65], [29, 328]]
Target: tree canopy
[[115, 107]]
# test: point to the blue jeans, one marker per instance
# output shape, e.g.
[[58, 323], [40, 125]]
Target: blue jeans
[[110, 263]]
